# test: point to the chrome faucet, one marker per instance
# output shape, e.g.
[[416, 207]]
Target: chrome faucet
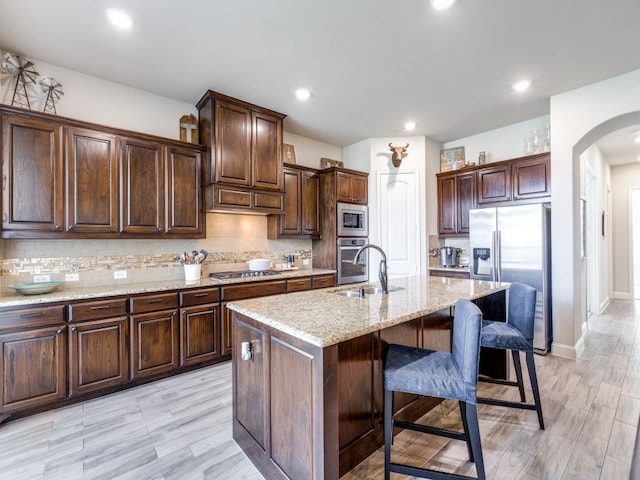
[[382, 272]]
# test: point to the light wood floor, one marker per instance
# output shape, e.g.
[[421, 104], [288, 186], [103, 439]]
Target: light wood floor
[[180, 428]]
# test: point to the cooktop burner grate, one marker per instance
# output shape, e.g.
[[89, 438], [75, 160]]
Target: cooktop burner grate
[[243, 274]]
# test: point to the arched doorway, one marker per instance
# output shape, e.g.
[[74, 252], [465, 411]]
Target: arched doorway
[[625, 249]]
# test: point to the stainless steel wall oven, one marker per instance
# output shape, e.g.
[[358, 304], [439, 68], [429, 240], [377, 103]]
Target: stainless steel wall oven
[[346, 252]]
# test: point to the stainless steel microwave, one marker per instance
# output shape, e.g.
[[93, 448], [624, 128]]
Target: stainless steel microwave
[[352, 220]]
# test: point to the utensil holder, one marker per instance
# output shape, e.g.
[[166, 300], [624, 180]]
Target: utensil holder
[[192, 272]]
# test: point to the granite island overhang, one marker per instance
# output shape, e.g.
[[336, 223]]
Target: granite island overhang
[[307, 368]]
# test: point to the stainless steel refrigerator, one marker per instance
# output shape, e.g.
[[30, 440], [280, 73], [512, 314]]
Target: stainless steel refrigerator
[[513, 244]]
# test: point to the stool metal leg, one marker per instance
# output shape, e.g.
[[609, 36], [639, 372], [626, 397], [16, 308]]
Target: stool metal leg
[[465, 426], [531, 366], [474, 435], [515, 354], [388, 431]]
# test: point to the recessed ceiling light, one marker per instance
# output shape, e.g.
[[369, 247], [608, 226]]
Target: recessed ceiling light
[[119, 18], [303, 94], [410, 126], [441, 4], [522, 85]]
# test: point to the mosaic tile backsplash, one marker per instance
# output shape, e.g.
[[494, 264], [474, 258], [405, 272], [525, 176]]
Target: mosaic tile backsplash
[[231, 241]]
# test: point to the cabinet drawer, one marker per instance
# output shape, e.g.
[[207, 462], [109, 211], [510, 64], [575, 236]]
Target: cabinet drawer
[[199, 297], [252, 290], [32, 317], [79, 312], [323, 281], [150, 303], [298, 284]]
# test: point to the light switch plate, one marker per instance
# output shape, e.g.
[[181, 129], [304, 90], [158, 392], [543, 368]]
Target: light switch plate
[[120, 274], [44, 277], [72, 277], [305, 261]]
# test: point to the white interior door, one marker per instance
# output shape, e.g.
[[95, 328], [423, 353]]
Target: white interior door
[[398, 221]]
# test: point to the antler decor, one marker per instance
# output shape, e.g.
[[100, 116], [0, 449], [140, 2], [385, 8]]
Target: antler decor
[[398, 154]]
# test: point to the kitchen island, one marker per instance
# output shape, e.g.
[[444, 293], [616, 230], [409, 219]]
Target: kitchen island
[[307, 368]]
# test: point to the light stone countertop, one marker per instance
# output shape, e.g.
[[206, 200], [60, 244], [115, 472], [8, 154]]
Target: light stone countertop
[[324, 318], [451, 269], [65, 293]]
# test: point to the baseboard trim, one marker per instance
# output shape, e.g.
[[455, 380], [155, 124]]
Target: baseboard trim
[[604, 304], [567, 351], [621, 295]]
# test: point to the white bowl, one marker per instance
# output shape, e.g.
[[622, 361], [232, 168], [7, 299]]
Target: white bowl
[[259, 264]]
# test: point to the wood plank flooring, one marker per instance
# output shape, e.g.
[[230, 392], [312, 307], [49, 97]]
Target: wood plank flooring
[[180, 428]]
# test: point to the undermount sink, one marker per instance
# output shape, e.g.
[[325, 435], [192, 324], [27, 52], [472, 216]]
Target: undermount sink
[[362, 292]]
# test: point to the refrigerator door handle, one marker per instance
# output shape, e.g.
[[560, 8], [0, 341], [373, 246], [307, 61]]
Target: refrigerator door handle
[[497, 274]]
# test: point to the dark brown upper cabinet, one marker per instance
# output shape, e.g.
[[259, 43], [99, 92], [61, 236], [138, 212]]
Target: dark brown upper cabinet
[[351, 187], [301, 217], [64, 178], [243, 160], [515, 181], [32, 176], [142, 187], [91, 164], [456, 196], [184, 191]]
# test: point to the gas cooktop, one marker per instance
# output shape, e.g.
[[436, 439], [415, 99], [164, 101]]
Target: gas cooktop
[[243, 274]]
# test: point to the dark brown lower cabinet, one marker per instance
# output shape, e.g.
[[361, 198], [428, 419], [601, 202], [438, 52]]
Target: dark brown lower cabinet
[[297, 405], [199, 334], [33, 366], [154, 343], [98, 355], [226, 337]]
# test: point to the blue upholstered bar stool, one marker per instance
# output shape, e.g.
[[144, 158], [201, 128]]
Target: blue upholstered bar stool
[[516, 334], [438, 374]]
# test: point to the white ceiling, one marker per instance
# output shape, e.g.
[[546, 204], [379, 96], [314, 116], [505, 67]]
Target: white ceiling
[[371, 65]]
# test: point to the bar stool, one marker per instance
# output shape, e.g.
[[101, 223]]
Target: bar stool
[[438, 374], [516, 334]]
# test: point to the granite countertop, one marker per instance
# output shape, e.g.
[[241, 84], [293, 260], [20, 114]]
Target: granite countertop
[[451, 269], [66, 293], [324, 318]]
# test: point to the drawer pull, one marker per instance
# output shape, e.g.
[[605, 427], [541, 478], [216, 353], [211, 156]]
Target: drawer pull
[[201, 295], [100, 307], [32, 315], [157, 300]]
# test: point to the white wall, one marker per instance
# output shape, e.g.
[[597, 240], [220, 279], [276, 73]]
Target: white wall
[[597, 162], [309, 152], [578, 118], [624, 178], [92, 99], [373, 156], [501, 143]]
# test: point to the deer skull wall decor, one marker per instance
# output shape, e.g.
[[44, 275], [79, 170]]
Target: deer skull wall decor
[[398, 154]]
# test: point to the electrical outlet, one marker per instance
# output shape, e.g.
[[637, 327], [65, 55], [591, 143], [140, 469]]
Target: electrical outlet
[[305, 261], [120, 274], [72, 277], [45, 277]]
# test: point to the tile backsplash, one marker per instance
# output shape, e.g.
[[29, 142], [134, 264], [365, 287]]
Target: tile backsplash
[[231, 240]]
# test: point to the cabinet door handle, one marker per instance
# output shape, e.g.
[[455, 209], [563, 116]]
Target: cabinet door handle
[[32, 315], [100, 307], [73, 329], [59, 330]]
